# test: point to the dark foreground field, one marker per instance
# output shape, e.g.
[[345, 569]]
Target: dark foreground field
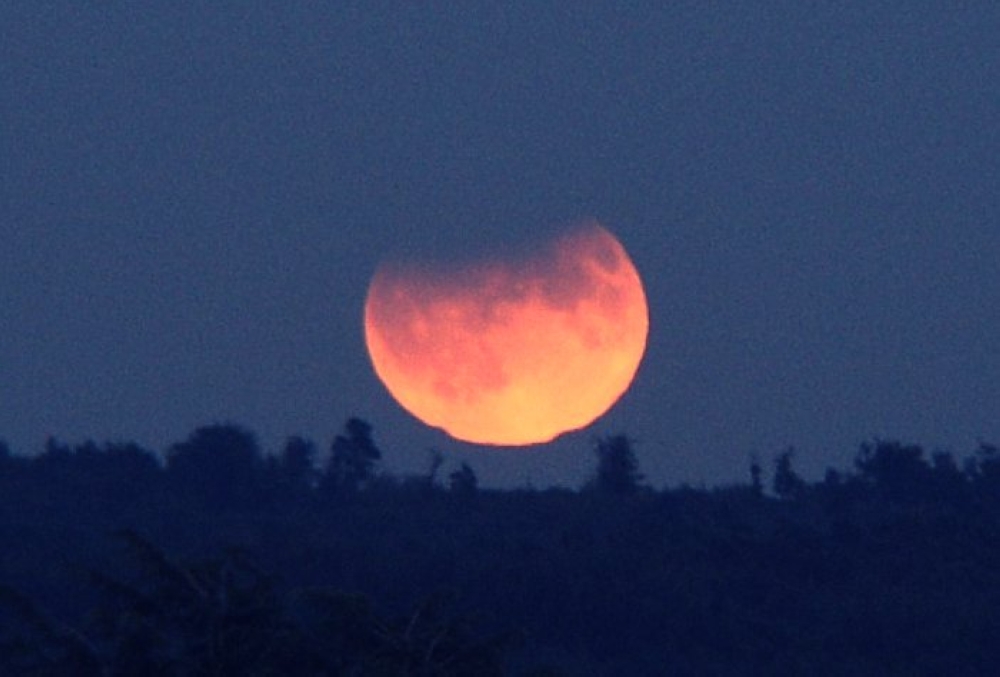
[[221, 560]]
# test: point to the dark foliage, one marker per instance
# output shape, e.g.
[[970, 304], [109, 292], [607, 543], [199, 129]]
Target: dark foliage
[[617, 468], [224, 617], [787, 483], [297, 464], [218, 466], [889, 567], [463, 482], [353, 457]]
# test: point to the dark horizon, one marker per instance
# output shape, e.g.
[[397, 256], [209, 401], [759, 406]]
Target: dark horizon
[[225, 562]]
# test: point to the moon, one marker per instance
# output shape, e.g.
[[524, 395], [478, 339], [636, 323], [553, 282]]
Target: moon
[[511, 352]]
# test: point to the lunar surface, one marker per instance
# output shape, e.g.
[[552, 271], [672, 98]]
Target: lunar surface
[[511, 352]]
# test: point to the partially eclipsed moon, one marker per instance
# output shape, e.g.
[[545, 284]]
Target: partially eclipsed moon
[[511, 353]]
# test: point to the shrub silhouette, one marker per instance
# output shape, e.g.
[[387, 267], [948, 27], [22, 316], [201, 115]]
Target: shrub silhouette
[[617, 468], [219, 466], [353, 459]]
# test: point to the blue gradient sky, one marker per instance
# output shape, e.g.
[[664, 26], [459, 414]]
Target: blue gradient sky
[[194, 196]]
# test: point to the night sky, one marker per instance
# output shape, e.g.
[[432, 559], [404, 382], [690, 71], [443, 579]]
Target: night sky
[[194, 196]]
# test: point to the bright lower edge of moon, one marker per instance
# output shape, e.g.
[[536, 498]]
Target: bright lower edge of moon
[[511, 353]]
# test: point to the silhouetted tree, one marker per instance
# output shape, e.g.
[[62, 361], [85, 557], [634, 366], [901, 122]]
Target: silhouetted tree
[[296, 465], [434, 463], [898, 471], [98, 476], [984, 471], [787, 483], [987, 460], [617, 467], [948, 482], [353, 458], [116, 474], [756, 477], [54, 465], [219, 464], [130, 459], [463, 482]]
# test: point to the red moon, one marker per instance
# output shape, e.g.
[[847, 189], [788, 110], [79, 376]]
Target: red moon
[[511, 352]]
